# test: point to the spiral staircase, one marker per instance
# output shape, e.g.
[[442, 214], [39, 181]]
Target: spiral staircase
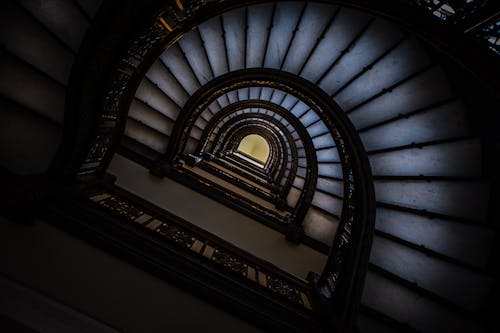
[[231, 73]]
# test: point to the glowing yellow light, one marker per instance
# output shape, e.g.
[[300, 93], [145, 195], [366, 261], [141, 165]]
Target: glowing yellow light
[[179, 4], [256, 147], [165, 24]]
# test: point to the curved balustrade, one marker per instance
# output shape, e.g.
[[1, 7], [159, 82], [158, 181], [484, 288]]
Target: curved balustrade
[[451, 10], [175, 231]]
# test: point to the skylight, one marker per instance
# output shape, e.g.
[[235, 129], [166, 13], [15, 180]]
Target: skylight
[[256, 147]]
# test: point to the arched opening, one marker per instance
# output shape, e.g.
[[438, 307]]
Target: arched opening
[[255, 147]]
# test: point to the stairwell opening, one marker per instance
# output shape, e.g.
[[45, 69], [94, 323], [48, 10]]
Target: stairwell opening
[[255, 149]]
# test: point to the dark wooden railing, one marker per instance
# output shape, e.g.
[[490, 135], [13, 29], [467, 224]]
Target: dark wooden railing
[[193, 239], [478, 19]]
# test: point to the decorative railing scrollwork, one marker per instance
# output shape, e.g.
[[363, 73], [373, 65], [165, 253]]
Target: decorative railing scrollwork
[[340, 284], [454, 11], [273, 280], [236, 199], [489, 33], [479, 19], [119, 91]]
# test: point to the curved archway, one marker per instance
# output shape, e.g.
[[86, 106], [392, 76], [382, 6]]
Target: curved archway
[[256, 147], [253, 135], [287, 167]]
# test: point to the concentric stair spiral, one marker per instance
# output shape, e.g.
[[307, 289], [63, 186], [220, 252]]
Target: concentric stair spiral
[[428, 268]]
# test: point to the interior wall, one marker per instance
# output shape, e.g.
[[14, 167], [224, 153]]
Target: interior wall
[[28, 143], [53, 282], [217, 219]]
